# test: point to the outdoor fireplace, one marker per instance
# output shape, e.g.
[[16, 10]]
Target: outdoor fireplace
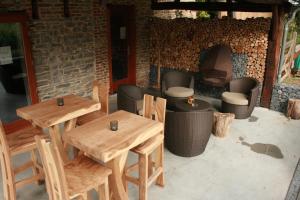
[[216, 66]]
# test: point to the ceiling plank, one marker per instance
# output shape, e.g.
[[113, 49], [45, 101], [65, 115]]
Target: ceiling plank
[[212, 6]]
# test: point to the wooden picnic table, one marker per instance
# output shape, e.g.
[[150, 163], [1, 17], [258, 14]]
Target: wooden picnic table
[[48, 114], [111, 147]]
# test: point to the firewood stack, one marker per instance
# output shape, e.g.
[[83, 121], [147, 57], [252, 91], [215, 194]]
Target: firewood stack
[[178, 43]]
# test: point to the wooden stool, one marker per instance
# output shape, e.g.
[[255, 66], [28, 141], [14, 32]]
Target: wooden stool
[[222, 122], [75, 178], [101, 95], [16, 143], [293, 109], [149, 171]]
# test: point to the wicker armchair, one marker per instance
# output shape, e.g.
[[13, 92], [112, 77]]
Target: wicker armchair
[[241, 97], [187, 133], [130, 98], [176, 85]]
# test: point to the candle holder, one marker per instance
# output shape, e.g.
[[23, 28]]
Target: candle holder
[[114, 125], [191, 100], [60, 101]]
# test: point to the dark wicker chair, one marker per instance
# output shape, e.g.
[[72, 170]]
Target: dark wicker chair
[[176, 79], [130, 98], [187, 133], [249, 87], [216, 67]]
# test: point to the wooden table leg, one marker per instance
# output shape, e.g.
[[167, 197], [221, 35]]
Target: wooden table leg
[[115, 179], [56, 139], [67, 127]]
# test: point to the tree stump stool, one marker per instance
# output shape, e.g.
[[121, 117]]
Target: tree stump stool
[[293, 109], [222, 122]]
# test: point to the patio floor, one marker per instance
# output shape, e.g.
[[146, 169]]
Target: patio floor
[[255, 161]]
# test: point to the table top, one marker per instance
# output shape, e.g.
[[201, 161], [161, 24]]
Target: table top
[[182, 105], [96, 139], [47, 113]]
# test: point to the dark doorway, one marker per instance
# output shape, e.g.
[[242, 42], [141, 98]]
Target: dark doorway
[[121, 45]]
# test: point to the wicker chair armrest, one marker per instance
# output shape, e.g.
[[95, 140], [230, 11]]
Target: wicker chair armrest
[[192, 83], [163, 87]]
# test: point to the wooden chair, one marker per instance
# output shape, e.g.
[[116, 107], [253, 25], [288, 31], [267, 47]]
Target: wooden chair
[[73, 179], [149, 170], [14, 144], [101, 95]]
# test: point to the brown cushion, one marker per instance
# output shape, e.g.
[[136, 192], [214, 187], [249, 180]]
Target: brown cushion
[[179, 92], [235, 98]]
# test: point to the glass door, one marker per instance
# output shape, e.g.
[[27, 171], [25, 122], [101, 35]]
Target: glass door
[[17, 83], [122, 45]]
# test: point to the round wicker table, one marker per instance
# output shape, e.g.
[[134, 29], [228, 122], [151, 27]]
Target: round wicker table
[[188, 128], [199, 105]]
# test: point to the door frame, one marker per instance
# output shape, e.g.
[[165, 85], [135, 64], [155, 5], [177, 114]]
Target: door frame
[[131, 41], [22, 18]]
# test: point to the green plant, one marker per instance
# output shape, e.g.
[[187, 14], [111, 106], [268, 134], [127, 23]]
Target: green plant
[[203, 14]]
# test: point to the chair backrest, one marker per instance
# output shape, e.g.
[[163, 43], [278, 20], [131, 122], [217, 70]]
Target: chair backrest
[[129, 97], [6, 165], [131, 91], [53, 167], [217, 57], [158, 109], [243, 85], [148, 106], [176, 78], [101, 95]]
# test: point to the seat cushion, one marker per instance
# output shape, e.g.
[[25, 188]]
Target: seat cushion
[[84, 174], [235, 98], [179, 92], [23, 139]]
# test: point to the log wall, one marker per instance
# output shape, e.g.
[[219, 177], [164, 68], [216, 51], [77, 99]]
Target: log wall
[[178, 43]]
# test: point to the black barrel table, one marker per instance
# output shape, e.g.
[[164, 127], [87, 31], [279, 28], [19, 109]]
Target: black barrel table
[[188, 128]]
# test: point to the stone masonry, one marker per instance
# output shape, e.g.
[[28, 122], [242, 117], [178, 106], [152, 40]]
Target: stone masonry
[[281, 94], [69, 53]]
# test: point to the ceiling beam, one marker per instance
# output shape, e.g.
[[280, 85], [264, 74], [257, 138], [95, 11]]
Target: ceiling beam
[[212, 6]]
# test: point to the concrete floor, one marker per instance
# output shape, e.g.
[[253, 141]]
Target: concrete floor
[[245, 165]]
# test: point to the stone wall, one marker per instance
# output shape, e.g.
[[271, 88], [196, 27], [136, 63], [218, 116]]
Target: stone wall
[[69, 53], [281, 94], [178, 43], [62, 48]]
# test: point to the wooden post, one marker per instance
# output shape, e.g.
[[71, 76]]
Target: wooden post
[[222, 122], [158, 70], [66, 8], [273, 57], [35, 11], [229, 11], [293, 109]]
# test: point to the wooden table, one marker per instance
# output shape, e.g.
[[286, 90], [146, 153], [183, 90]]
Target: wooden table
[[111, 147], [47, 114]]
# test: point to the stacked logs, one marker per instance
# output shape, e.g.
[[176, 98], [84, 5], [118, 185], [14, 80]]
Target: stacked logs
[[178, 43]]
